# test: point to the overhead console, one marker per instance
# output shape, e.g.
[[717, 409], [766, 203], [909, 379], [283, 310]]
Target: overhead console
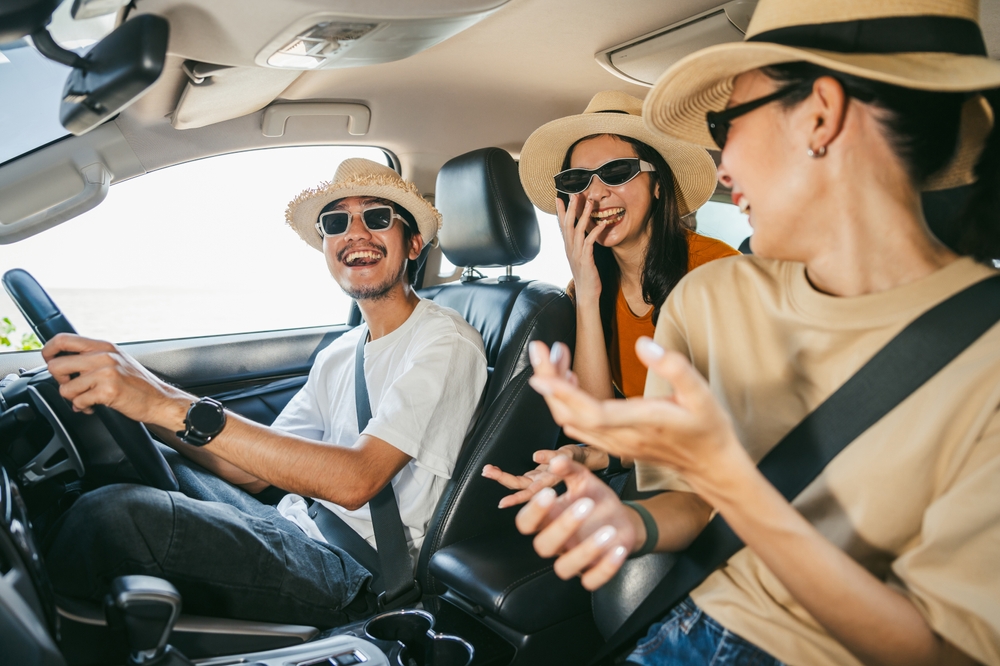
[[331, 40], [643, 59]]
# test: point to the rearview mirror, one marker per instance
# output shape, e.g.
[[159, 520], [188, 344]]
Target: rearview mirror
[[116, 72]]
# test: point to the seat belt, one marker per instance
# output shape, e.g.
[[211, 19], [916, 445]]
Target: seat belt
[[907, 362], [391, 566], [401, 587]]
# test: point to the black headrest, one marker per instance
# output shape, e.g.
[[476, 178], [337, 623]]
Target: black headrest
[[488, 219]]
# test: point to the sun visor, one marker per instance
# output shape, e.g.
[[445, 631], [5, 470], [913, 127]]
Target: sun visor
[[643, 59], [214, 94]]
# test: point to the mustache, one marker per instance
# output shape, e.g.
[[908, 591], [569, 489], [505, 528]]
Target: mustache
[[362, 246]]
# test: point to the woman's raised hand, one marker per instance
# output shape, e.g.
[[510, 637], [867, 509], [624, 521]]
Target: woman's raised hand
[[587, 527], [532, 481], [579, 235], [689, 431]]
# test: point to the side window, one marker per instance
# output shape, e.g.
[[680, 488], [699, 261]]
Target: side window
[[196, 249], [723, 221]]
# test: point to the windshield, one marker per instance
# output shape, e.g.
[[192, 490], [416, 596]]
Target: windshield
[[32, 85]]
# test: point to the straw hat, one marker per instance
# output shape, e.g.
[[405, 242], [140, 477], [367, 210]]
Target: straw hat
[[358, 177], [933, 45], [612, 112]]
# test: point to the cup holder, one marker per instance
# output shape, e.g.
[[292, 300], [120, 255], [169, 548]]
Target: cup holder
[[420, 646]]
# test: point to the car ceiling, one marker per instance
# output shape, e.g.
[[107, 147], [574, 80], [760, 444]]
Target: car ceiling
[[491, 85]]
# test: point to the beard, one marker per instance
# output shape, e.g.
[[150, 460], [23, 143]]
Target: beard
[[376, 292]]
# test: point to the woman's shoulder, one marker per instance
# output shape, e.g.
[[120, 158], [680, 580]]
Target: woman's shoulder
[[738, 277], [703, 249]]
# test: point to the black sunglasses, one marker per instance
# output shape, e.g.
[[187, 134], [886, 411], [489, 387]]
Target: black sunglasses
[[718, 121], [376, 218], [612, 173]]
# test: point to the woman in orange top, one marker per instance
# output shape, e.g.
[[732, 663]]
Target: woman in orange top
[[619, 192]]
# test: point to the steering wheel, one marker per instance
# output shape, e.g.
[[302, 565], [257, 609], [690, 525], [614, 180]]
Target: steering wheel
[[46, 320]]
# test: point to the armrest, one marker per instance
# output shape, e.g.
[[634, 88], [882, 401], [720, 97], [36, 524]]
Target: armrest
[[502, 574]]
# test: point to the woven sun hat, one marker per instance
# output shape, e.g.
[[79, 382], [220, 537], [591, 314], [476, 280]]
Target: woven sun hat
[[933, 45], [358, 177], [612, 112]]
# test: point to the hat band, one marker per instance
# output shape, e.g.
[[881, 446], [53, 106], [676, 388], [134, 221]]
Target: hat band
[[891, 34]]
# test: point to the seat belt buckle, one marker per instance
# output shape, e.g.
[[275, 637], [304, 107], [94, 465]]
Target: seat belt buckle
[[410, 596]]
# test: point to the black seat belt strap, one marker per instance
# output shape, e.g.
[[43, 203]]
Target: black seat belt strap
[[906, 363], [390, 538]]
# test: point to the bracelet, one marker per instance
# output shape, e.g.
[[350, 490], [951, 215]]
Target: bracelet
[[652, 531]]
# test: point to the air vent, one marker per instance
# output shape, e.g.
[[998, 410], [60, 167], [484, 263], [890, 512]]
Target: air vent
[[643, 59]]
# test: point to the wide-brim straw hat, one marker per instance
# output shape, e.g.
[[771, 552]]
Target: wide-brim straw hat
[[612, 112], [358, 177], [933, 45]]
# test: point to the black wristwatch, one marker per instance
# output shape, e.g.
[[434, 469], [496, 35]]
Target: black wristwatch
[[204, 421]]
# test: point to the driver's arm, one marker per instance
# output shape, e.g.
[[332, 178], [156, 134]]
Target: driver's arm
[[93, 372], [210, 461]]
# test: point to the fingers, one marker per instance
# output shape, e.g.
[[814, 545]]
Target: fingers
[[505, 479], [690, 387], [64, 368], [582, 222], [68, 343], [536, 513], [522, 496], [559, 356], [605, 569], [552, 539]]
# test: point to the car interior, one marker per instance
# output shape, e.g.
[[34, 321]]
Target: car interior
[[447, 91]]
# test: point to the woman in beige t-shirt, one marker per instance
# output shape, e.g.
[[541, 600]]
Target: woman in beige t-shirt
[[837, 116]]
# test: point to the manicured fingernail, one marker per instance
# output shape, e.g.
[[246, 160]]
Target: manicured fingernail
[[620, 553], [583, 507], [545, 497], [556, 354], [604, 535], [534, 352], [649, 348]]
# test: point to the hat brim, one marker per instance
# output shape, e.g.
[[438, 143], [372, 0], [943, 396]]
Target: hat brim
[[543, 154], [703, 82], [303, 211]]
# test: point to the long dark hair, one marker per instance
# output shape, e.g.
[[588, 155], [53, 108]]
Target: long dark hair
[[923, 129], [666, 257]]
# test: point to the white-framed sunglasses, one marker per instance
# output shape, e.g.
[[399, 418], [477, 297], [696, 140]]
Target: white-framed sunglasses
[[375, 218], [612, 173]]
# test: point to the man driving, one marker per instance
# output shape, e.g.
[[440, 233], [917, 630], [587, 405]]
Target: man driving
[[228, 553]]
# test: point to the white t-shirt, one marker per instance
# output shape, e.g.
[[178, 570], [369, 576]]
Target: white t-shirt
[[425, 382]]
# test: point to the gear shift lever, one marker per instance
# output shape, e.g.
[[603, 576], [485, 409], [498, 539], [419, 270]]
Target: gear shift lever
[[147, 608]]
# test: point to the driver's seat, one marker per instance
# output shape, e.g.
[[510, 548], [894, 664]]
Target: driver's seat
[[491, 223]]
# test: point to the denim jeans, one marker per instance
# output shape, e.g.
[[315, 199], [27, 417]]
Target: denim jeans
[[688, 636], [228, 554]]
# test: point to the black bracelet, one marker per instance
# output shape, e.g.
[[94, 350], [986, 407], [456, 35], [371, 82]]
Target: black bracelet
[[652, 531]]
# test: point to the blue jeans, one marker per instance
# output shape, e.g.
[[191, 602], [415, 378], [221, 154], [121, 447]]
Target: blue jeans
[[228, 554], [688, 636]]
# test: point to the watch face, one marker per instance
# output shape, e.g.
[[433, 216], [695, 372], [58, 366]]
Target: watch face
[[206, 418]]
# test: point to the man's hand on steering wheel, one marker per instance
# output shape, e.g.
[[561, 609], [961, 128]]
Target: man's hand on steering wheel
[[95, 372]]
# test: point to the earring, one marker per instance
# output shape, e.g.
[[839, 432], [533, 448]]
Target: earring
[[819, 152]]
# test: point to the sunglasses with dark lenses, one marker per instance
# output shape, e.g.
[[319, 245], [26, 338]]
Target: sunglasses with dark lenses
[[336, 222], [718, 121], [612, 173]]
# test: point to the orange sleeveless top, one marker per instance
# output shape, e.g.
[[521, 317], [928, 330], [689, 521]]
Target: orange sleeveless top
[[627, 371]]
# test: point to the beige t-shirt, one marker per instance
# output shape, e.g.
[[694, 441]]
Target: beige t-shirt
[[915, 499]]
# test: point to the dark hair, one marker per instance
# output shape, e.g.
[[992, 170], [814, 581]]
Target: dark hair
[[923, 129], [666, 259], [409, 229]]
